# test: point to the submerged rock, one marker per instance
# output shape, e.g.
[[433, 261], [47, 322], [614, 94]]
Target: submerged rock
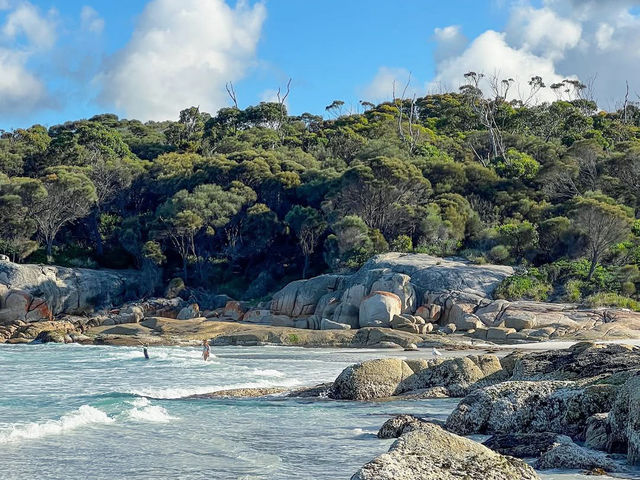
[[524, 445], [431, 453]]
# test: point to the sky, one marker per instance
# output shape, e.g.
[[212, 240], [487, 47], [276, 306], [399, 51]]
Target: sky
[[148, 59]]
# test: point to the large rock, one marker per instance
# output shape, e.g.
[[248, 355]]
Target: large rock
[[371, 379], [22, 305], [400, 284], [301, 297], [77, 290], [457, 375], [189, 312], [347, 310], [378, 309], [565, 454], [431, 453], [527, 407], [624, 421], [327, 324]]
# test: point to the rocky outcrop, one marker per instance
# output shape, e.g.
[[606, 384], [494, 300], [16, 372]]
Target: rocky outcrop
[[431, 453], [391, 376], [452, 293], [38, 292], [526, 407]]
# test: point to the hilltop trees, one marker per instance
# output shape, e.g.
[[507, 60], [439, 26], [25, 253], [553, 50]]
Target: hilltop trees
[[244, 198]]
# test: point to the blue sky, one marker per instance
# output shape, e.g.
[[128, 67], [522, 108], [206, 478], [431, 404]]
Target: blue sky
[[147, 59]]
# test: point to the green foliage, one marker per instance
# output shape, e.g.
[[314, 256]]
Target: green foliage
[[242, 199], [612, 300], [528, 286], [402, 243]]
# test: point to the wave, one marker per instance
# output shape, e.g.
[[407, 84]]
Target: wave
[[85, 415], [362, 434], [144, 411]]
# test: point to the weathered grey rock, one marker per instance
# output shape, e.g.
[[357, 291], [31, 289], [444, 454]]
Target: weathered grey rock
[[399, 425], [596, 435], [302, 323], [566, 454], [281, 321], [499, 333], [519, 320], [430, 313], [371, 379], [347, 311], [459, 315], [624, 421], [528, 407], [301, 297], [378, 309], [77, 290], [405, 324], [583, 360], [327, 324], [189, 312], [457, 375], [366, 337], [399, 284], [524, 445], [431, 453], [449, 329]]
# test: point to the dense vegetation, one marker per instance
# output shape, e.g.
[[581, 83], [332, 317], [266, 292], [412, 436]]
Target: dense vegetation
[[245, 200]]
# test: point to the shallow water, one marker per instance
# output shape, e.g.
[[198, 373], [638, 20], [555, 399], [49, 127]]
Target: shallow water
[[74, 412]]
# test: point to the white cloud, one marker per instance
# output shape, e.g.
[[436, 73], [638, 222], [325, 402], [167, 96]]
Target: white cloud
[[25, 33], [182, 54], [560, 39], [26, 19], [91, 20], [450, 41], [385, 81]]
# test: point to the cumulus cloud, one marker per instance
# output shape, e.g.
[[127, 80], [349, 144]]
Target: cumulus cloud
[[25, 33], [450, 41], [182, 54], [558, 39], [386, 79], [26, 20], [91, 20]]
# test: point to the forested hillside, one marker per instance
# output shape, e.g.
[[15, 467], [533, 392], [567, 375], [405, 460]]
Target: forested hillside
[[241, 201]]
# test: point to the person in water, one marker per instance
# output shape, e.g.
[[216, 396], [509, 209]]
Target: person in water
[[145, 351], [206, 350]]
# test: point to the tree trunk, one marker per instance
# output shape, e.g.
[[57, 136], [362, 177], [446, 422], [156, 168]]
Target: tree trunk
[[594, 263], [49, 248], [184, 269], [95, 229], [305, 267]]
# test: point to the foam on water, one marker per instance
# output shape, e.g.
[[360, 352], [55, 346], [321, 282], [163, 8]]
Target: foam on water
[[85, 415]]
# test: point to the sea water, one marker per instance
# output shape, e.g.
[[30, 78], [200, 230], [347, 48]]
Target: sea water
[[98, 412]]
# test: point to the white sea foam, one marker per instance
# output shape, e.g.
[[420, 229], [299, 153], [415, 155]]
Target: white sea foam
[[151, 413], [85, 415], [144, 411], [173, 393], [268, 373]]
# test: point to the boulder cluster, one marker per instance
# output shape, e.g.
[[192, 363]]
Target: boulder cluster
[[577, 408]]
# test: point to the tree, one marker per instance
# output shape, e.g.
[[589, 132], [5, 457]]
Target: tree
[[603, 222], [186, 214], [70, 195], [308, 225]]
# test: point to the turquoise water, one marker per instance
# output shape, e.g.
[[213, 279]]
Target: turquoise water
[[76, 412]]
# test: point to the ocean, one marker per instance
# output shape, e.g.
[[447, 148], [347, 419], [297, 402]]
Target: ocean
[[100, 412]]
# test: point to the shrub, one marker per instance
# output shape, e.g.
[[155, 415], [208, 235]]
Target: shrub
[[573, 290], [402, 243], [612, 300], [530, 286], [499, 254]]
